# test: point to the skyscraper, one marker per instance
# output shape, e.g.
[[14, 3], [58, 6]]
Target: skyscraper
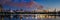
[[0, 8]]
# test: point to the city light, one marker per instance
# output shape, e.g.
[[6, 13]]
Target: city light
[[29, 9]]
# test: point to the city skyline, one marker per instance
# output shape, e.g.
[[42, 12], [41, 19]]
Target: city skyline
[[45, 3]]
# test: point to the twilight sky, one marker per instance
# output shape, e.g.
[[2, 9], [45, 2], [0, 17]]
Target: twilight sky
[[45, 3]]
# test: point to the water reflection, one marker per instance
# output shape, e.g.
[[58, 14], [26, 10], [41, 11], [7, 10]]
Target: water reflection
[[29, 17]]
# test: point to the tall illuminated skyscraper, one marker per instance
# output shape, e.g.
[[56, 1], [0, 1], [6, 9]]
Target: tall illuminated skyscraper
[[0, 8]]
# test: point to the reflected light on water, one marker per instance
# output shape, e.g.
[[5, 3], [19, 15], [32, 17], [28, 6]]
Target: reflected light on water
[[45, 16]]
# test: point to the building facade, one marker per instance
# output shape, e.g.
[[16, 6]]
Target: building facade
[[0, 8]]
